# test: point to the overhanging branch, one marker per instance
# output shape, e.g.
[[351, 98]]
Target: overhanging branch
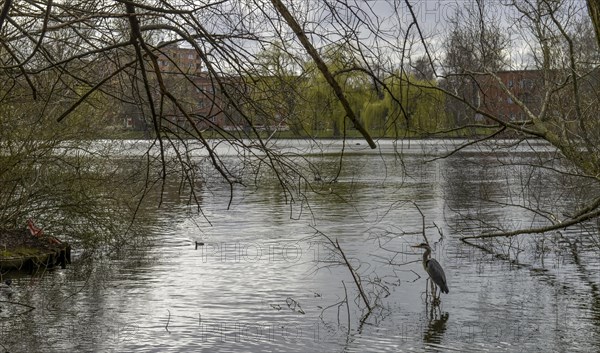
[[4, 13], [291, 21]]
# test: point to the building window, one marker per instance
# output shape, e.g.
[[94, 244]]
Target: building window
[[523, 83], [526, 98]]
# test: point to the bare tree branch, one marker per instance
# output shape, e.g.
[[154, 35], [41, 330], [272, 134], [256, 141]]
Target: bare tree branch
[[557, 226], [291, 21]]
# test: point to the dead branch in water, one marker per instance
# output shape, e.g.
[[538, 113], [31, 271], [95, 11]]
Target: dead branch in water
[[347, 263], [559, 225]]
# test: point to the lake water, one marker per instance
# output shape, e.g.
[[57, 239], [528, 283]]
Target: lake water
[[266, 280]]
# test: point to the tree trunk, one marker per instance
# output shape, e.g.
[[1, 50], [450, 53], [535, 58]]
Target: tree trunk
[[594, 8]]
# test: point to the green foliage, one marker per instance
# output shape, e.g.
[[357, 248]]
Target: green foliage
[[322, 111], [416, 107], [404, 106], [375, 115], [409, 107]]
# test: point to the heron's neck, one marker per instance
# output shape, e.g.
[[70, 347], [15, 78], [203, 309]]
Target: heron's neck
[[426, 255]]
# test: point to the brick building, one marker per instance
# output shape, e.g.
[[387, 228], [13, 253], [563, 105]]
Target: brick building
[[175, 60], [525, 85], [196, 91]]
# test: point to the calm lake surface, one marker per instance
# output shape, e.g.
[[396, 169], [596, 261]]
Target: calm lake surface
[[266, 281]]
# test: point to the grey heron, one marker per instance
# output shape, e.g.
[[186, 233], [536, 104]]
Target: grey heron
[[433, 268]]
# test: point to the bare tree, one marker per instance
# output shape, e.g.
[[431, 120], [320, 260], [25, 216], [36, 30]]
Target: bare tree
[[422, 69], [474, 45], [564, 112]]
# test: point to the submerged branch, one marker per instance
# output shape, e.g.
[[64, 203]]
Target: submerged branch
[[559, 225], [347, 263], [470, 143]]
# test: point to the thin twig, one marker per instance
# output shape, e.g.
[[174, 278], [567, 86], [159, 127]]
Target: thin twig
[[168, 320], [423, 222], [21, 304], [354, 276], [347, 307]]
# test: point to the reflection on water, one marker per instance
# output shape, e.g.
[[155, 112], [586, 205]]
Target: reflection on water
[[264, 282], [436, 327]]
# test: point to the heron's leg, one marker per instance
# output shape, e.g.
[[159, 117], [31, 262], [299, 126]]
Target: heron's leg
[[435, 299]]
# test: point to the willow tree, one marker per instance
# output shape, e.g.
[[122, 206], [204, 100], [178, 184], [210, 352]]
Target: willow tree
[[415, 107], [324, 112]]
